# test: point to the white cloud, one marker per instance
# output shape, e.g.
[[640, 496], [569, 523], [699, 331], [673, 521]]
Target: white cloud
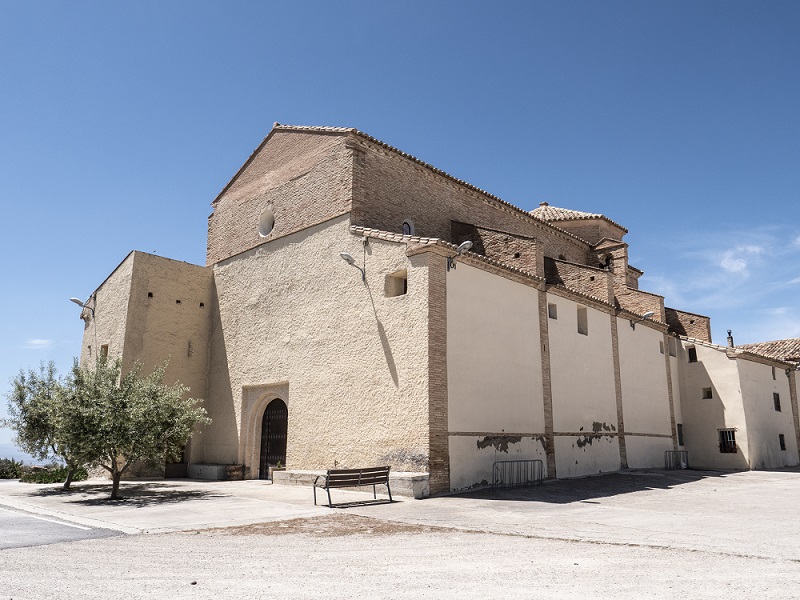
[[737, 259], [38, 344], [796, 242]]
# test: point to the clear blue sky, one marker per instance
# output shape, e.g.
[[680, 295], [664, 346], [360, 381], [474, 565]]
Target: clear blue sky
[[120, 122]]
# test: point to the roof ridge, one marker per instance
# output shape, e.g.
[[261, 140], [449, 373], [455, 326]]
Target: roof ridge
[[557, 213]]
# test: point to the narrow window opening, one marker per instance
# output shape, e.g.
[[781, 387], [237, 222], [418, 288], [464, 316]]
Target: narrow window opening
[[673, 350], [562, 257], [396, 284], [776, 400], [202, 304], [516, 254], [782, 441], [773, 373], [149, 294], [89, 350], [189, 349], [591, 278], [707, 394], [727, 441], [680, 434], [583, 321], [692, 351], [552, 311], [408, 227], [104, 351], [661, 346], [177, 301]]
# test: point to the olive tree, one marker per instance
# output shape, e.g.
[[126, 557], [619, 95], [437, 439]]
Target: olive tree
[[35, 414], [116, 419]]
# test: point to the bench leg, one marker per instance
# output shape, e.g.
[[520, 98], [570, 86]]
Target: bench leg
[[388, 489], [330, 502], [374, 493]]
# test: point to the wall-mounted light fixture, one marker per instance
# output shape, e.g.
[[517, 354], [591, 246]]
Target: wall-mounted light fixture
[[82, 304], [352, 261], [645, 316], [463, 247]]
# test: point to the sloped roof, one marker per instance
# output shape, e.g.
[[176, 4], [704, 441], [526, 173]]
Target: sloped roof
[[554, 213], [786, 350]]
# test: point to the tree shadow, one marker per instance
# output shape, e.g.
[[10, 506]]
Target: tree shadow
[[137, 495], [566, 491]]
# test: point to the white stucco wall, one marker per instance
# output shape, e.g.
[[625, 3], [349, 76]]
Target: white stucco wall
[[583, 391], [764, 423], [494, 373], [702, 418], [295, 321]]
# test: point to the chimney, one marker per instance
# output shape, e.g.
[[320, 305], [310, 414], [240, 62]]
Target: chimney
[[730, 339]]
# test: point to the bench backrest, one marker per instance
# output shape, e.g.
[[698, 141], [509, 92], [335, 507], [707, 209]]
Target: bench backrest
[[356, 477]]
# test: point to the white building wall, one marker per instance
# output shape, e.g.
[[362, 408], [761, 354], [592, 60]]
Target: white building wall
[[764, 423], [703, 418], [296, 322], [645, 395], [583, 391], [494, 374]]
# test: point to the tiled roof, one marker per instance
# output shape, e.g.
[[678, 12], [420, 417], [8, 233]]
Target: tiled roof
[[743, 351], [549, 213], [786, 350]]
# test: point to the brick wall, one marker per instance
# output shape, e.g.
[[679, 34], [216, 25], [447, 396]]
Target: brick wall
[[588, 280], [395, 188], [688, 324], [511, 249], [591, 230], [305, 178], [640, 302]]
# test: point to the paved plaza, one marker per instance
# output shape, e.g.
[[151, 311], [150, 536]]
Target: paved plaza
[[654, 534]]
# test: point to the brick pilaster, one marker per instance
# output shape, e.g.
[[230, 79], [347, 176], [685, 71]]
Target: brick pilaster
[[547, 390], [791, 374], [623, 453], [668, 363], [439, 449]]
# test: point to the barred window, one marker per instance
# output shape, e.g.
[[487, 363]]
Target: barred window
[[727, 441]]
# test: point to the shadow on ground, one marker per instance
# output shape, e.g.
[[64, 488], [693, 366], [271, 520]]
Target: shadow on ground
[[565, 491], [130, 494]]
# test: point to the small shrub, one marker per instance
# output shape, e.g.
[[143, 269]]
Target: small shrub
[[10, 468], [51, 474]]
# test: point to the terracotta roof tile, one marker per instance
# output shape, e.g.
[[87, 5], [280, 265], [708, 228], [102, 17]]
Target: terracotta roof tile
[[549, 213], [785, 350]]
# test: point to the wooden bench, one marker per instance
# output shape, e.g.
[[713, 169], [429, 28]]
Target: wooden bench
[[343, 478]]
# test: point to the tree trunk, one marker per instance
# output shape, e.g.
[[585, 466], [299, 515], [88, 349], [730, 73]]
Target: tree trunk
[[116, 475], [70, 475]]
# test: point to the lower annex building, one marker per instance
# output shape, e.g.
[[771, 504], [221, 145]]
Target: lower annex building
[[534, 343]]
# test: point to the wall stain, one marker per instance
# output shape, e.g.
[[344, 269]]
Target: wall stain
[[587, 440], [597, 426], [499, 442]]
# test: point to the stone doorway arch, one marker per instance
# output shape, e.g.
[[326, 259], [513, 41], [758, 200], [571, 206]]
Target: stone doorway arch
[[274, 427]]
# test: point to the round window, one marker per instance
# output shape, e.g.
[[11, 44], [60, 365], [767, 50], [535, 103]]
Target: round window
[[266, 222]]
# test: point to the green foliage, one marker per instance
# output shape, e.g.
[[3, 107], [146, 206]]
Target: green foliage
[[98, 416], [53, 474], [116, 420], [10, 468]]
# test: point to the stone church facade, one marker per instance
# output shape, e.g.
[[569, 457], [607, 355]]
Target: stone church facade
[[535, 343]]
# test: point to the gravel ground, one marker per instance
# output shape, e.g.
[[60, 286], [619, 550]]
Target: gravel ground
[[346, 556]]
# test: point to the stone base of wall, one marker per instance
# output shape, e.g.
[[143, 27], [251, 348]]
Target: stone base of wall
[[408, 485], [215, 472]]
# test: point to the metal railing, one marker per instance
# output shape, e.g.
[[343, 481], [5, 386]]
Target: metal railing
[[516, 473], [676, 460]]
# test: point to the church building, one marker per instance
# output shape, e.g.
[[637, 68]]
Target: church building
[[361, 307]]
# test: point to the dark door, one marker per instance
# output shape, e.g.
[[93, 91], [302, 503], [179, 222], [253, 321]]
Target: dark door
[[273, 437]]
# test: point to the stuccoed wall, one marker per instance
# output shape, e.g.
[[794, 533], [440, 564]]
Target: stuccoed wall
[[110, 315], [171, 326], [764, 423], [494, 373], [296, 322], [584, 393], [702, 418]]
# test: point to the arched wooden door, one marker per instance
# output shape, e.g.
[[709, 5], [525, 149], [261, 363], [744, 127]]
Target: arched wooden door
[[273, 437]]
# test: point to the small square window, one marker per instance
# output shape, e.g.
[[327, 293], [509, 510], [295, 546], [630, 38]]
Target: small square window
[[782, 441], [727, 441], [552, 311], [680, 434], [396, 284], [583, 321], [773, 373], [692, 351], [661, 346], [707, 393], [776, 400]]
